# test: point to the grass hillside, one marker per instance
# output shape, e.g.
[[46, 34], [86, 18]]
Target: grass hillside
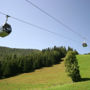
[[41, 78], [50, 78], [84, 63]]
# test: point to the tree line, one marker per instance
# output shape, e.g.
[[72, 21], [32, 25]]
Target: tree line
[[17, 61]]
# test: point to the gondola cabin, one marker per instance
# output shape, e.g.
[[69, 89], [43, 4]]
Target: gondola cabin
[[84, 44], [5, 30]]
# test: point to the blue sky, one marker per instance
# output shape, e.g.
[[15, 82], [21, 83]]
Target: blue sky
[[74, 13]]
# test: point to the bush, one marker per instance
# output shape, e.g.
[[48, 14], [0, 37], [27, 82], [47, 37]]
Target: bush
[[72, 67]]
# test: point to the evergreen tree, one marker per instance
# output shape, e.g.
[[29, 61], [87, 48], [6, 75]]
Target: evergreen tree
[[70, 49], [72, 67]]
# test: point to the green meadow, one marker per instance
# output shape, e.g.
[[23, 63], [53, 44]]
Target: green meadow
[[50, 78]]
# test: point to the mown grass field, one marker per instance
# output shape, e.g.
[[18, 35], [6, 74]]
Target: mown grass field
[[50, 78]]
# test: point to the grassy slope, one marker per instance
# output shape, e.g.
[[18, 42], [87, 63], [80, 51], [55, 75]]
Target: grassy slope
[[84, 63], [50, 78], [41, 78]]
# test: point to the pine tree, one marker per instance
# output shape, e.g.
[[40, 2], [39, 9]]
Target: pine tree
[[72, 67]]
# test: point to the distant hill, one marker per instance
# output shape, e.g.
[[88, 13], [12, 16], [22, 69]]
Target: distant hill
[[9, 51]]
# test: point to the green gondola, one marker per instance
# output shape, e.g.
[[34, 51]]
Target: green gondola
[[6, 29], [84, 44]]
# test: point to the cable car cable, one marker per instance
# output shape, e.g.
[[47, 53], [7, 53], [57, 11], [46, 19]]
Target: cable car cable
[[41, 28], [55, 19]]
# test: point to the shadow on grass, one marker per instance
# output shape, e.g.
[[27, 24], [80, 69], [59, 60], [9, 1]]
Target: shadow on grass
[[84, 79]]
